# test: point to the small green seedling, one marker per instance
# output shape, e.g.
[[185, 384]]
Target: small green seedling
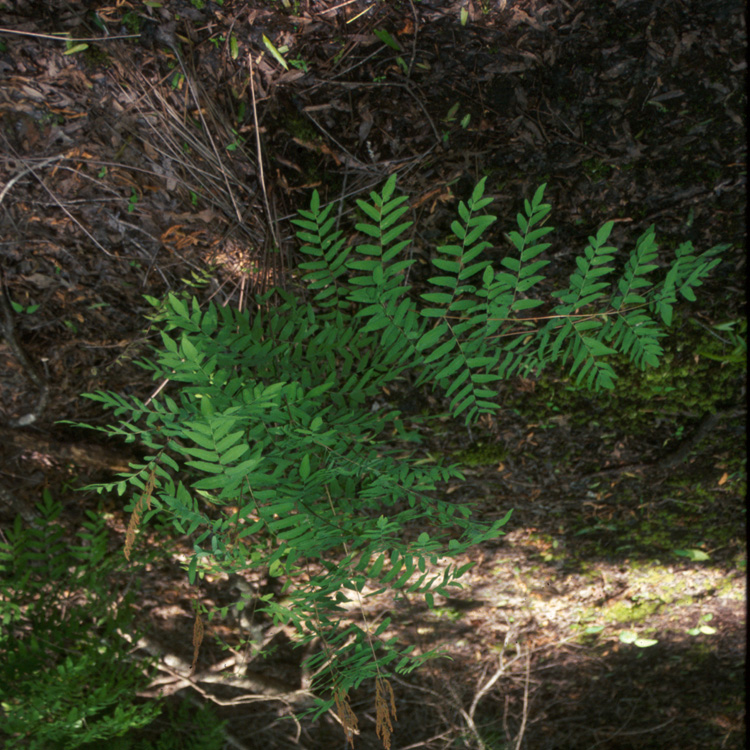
[[388, 40], [19, 308], [702, 627], [71, 48], [277, 53], [628, 636]]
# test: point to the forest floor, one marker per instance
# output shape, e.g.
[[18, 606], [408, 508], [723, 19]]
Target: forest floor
[[132, 167]]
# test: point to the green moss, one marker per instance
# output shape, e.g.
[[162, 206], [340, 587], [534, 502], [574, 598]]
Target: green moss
[[596, 169], [697, 374], [629, 612], [448, 613], [728, 588], [132, 22], [481, 454], [300, 127], [95, 56]]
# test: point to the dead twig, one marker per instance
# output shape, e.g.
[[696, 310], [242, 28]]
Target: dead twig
[[26, 170], [262, 687], [525, 714]]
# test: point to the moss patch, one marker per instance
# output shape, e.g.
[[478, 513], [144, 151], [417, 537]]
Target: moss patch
[[481, 453]]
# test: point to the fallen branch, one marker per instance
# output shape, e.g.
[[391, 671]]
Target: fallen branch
[[262, 687]]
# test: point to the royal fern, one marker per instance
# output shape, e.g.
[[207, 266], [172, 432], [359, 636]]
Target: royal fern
[[269, 448]]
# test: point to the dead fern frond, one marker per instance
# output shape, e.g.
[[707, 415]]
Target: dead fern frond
[[346, 715], [385, 707], [150, 482], [135, 518], [197, 640]]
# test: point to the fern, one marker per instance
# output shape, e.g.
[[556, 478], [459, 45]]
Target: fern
[[268, 448], [65, 678], [180, 726]]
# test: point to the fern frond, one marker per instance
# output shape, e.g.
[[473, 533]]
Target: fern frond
[[687, 271], [524, 273], [377, 283], [464, 323], [325, 246], [594, 264], [65, 676], [639, 264], [636, 335]]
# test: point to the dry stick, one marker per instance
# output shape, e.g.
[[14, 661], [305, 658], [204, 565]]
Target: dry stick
[[472, 728], [198, 146], [428, 742], [485, 689], [632, 732], [414, 40], [202, 177], [347, 157], [261, 175], [352, 67], [25, 171], [341, 199], [469, 715], [362, 13], [228, 737], [156, 392], [31, 169], [8, 326], [521, 732], [275, 689], [336, 7], [272, 224], [406, 86], [170, 151], [67, 38], [60, 205]]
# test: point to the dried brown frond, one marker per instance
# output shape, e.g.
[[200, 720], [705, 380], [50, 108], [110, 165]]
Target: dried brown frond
[[197, 640], [346, 715], [150, 482], [135, 518], [385, 707]]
